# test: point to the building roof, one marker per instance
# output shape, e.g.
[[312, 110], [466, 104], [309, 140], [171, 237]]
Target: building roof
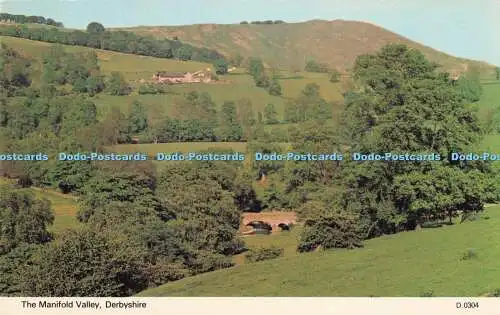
[[166, 74]]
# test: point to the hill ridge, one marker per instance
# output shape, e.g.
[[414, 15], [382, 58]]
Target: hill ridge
[[288, 45]]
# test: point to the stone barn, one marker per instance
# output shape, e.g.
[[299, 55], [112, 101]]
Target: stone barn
[[182, 77]]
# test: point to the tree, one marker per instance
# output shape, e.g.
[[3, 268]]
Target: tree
[[94, 84], [138, 117], [331, 230], [313, 66], [23, 219], [270, 114], [274, 87], [95, 28], [117, 85], [205, 211], [401, 87], [11, 269], [255, 67], [14, 70], [497, 72], [334, 76], [237, 60], [263, 81], [184, 53], [86, 263], [80, 112], [246, 116], [123, 183], [309, 105], [221, 67], [229, 125], [469, 85]]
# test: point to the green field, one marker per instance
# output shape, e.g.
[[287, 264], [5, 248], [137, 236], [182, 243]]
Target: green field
[[405, 264], [64, 207], [232, 87], [288, 241]]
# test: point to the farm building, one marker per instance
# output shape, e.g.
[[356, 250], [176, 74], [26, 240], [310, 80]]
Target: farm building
[[182, 77]]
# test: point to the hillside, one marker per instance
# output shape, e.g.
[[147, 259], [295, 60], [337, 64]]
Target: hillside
[[136, 67], [405, 264], [289, 46], [133, 67]]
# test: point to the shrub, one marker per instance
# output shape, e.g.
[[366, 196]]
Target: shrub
[[331, 230], [207, 261], [313, 66], [427, 293], [261, 254], [494, 293], [152, 89]]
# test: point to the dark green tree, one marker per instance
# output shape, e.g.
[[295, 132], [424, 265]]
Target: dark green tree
[[334, 76], [229, 125], [270, 114], [23, 219], [120, 182], [138, 117], [184, 53], [246, 116], [95, 28], [221, 67], [86, 263], [274, 87], [117, 85]]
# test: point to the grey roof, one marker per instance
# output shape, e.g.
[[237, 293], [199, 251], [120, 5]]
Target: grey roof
[[166, 74]]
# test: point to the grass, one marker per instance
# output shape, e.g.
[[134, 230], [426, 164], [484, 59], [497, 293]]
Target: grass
[[288, 241], [404, 264], [64, 207], [490, 98]]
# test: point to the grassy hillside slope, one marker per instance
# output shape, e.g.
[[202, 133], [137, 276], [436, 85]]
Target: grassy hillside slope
[[134, 68], [288, 46], [405, 264]]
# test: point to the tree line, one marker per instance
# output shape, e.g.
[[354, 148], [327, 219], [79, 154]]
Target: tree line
[[96, 36], [264, 22], [23, 19]]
